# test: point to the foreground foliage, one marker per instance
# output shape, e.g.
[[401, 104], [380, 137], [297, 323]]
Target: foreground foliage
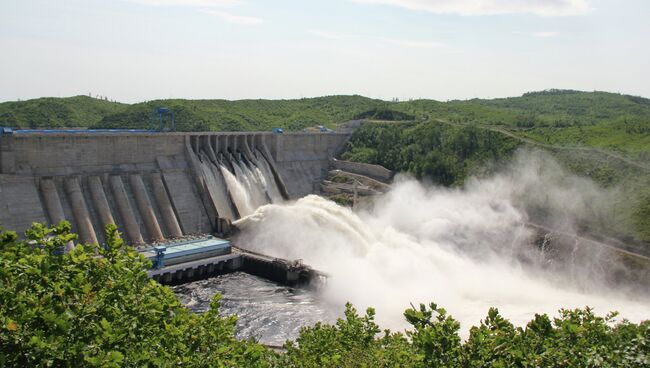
[[95, 306], [577, 338]]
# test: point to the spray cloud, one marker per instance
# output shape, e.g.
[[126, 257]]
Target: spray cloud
[[467, 249]]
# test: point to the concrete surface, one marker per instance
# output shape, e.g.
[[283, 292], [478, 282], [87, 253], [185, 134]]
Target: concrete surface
[[150, 184]]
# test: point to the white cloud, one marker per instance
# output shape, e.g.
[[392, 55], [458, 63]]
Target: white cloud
[[207, 7], [491, 7], [394, 41], [327, 34], [236, 19], [414, 43], [188, 3], [546, 34]]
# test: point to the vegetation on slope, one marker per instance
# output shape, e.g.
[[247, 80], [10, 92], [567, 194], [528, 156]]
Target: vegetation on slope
[[194, 115], [596, 119], [49, 112], [446, 154], [245, 115], [592, 119], [95, 306], [563, 117]]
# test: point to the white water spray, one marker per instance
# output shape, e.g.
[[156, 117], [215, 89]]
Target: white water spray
[[216, 187], [251, 186], [419, 244], [269, 181], [238, 192], [254, 185]]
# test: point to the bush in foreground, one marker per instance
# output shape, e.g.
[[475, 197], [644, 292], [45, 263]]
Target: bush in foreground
[[96, 306]]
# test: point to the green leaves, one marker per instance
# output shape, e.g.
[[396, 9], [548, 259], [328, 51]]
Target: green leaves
[[97, 307], [577, 338], [445, 153], [435, 335]]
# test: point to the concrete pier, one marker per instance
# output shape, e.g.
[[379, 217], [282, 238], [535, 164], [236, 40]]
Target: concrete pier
[[99, 200], [80, 211], [172, 228], [125, 210], [196, 270], [145, 208], [52, 202]]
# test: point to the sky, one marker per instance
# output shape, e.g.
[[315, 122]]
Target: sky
[[137, 50]]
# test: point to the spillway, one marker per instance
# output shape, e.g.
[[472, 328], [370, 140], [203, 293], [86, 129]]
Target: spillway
[[154, 186]]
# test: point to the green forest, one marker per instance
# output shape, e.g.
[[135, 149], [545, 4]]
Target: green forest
[[447, 154], [609, 121], [96, 307]]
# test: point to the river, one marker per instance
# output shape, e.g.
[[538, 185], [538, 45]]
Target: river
[[267, 312]]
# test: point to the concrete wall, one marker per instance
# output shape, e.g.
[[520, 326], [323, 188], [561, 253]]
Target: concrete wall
[[46, 177], [303, 159], [64, 154], [20, 203]]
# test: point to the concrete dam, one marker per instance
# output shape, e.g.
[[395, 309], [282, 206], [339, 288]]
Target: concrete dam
[[154, 186]]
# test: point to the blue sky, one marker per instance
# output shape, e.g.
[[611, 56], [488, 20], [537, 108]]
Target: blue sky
[[135, 50]]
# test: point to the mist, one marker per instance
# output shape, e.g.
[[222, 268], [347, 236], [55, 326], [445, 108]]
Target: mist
[[467, 249]]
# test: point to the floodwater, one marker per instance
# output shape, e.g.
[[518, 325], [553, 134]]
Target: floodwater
[[268, 312]]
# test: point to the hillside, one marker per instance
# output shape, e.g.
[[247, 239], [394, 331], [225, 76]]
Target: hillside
[[194, 115], [596, 119], [609, 121], [77, 111], [223, 115]]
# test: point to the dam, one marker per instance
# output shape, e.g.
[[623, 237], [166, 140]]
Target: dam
[[170, 190], [154, 186]]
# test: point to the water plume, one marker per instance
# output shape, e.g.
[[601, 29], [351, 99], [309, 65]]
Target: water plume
[[238, 191], [466, 248], [251, 185]]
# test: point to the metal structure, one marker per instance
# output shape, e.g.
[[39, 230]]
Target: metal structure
[[165, 118], [173, 253]]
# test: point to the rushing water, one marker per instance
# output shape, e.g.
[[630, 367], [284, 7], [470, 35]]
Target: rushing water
[[252, 185], [467, 249], [266, 311]]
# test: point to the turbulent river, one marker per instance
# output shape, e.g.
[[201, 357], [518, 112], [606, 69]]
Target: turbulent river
[[267, 312]]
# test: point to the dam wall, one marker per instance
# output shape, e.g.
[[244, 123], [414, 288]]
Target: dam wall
[[154, 186]]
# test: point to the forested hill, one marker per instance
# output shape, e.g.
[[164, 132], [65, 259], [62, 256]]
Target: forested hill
[[77, 111], [191, 115], [603, 120], [535, 112]]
